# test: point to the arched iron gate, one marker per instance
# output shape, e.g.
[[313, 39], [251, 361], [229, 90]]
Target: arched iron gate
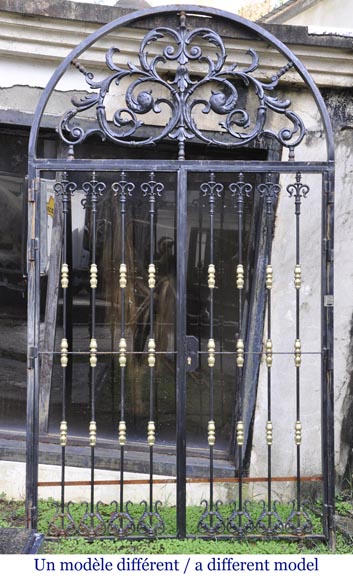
[[177, 223]]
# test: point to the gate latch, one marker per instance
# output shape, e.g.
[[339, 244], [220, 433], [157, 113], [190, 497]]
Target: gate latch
[[192, 353]]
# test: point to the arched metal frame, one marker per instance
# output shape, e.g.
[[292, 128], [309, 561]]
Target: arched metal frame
[[326, 168]]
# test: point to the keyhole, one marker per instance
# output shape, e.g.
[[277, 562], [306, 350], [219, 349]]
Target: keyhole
[[189, 360]]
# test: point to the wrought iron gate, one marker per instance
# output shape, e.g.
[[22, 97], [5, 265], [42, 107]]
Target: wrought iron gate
[[176, 279]]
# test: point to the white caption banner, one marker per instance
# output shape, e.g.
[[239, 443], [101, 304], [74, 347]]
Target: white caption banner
[[152, 566]]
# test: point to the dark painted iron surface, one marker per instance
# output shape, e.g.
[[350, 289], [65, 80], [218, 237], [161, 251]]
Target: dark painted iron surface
[[182, 94]]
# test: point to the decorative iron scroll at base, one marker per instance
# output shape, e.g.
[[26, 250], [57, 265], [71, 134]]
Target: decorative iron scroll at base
[[121, 524], [115, 520], [240, 522], [62, 523], [92, 524], [151, 523], [211, 521], [269, 523], [298, 522]]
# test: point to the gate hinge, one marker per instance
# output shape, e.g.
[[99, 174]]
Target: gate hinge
[[329, 187], [329, 251], [328, 359], [32, 516], [33, 190], [328, 300], [32, 354], [33, 247]]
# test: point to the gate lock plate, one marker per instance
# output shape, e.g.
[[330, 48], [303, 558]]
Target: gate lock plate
[[192, 353]]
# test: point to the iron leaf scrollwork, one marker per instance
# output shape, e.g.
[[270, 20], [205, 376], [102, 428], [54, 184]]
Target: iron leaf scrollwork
[[240, 521], [269, 191], [62, 523], [269, 522], [212, 189], [152, 189], [240, 190], [166, 83], [151, 522], [65, 189], [92, 523], [211, 521], [121, 523], [298, 521], [123, 189], [93, 191], [298, 190]]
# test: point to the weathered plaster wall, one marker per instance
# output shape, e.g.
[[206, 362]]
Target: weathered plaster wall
[[13, 484], [283, 312], [340, 106], [329, 13]]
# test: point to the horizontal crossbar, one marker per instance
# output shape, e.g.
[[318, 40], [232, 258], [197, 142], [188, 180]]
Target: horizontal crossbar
[[173, 480]]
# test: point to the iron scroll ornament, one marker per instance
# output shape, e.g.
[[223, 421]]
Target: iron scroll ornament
[[216, 88]]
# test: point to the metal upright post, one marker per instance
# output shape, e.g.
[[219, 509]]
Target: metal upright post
[[33, 296], [180, 341], [327, 290]]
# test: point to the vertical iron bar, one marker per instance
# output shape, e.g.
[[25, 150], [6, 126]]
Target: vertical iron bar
[[297, 335], [122, 368], [181, 202], [240, 368], [122, 358], [269, 190], [240, 191], [212, 189], [155, 523], [33, 298], [93, 335], [200, 270], [67, 344], [221, 303], [269, 222], [93, 189], [152, 202], [69, 335], [298, 190], [269, 409], [327, 316], [211, 337], [122, 189], [112, 315]]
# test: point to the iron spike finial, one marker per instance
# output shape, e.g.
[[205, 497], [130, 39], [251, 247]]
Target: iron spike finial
[[183, 19]]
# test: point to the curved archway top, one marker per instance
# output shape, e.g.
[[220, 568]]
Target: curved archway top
[[184, 94]]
